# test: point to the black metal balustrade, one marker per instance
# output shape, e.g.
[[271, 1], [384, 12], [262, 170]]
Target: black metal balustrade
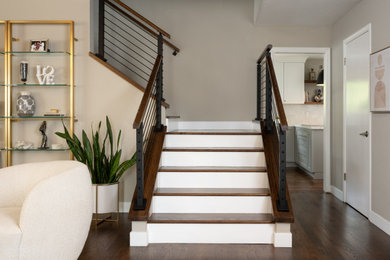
[[270, 112], [133, 45]]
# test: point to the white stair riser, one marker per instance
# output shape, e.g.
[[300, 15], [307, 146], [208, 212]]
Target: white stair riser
[[212, 180], [211, 204], [240, 159], [211, 233], [249, 141], [247, 125]]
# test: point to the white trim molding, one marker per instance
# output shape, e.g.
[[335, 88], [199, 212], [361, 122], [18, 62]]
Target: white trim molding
[[337, 193], [327, 100], [380, 222]]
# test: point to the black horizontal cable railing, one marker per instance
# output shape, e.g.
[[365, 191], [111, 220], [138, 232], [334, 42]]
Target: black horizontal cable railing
[[146, 122], [127, 41], [134, 46], [270, 112]]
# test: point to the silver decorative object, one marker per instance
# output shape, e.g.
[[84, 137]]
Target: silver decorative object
[[25, 104]]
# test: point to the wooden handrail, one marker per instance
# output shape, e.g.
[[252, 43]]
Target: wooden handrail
[[266, 50], [278, 99], [147, 93], [150, 31], [143, 18]]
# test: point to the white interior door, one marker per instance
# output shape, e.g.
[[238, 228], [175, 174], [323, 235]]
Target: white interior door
[[357, 121]]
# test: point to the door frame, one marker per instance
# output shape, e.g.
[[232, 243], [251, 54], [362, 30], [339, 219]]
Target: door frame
[[365, 29], [327, 101]]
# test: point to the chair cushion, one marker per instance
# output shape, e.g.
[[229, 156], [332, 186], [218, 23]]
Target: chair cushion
[[10, 233]]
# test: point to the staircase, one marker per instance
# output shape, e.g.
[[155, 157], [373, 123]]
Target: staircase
[[212, 187], [197, 182]]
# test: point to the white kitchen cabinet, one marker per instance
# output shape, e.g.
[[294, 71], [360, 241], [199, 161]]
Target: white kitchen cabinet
[[309, 150], [290, 73]]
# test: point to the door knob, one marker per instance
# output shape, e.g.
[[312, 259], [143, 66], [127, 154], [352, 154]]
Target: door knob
[[364, 134]]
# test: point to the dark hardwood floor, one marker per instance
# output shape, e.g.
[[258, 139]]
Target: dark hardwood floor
[[324, 228]]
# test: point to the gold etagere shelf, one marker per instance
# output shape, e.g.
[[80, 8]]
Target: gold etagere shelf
[[9, 84]]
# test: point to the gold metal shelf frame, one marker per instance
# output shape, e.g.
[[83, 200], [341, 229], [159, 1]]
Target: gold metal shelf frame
[[7, 53]]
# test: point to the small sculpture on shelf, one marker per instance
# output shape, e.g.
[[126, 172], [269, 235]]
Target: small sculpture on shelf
[[24, 145], [42, 129], [319, 97], [23, 71], [45, 75]]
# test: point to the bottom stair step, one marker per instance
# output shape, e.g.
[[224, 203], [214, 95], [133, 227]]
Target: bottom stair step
[[211, 218]]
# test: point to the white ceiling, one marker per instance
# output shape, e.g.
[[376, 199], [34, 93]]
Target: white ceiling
[[300, 12]]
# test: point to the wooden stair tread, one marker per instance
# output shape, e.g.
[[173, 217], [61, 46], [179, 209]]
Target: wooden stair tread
[[250, 218], [211, 192], [214, 132], [211, 169], [213, 149]]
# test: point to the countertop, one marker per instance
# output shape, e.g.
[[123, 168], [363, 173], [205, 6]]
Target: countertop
[[311, 127]]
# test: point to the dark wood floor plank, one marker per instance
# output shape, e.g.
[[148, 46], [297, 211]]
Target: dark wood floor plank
[[211, 218], [211, 169], [212, 149], [211, 192]]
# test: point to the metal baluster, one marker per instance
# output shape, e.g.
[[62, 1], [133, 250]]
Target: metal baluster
[[258, 107], [100, 53], [268, 108], [159, 86], [282, 202], [141, 201]]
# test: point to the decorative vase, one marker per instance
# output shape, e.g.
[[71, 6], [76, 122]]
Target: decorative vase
[[105, 198], [23, 71], [25, 104]]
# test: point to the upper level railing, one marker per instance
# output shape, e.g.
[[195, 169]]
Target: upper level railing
[[125, 39], [270, 112]]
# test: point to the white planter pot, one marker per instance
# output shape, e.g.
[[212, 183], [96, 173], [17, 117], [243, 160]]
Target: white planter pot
[[107, 198]]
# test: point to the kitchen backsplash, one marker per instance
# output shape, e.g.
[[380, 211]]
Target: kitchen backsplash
[[304, 114]]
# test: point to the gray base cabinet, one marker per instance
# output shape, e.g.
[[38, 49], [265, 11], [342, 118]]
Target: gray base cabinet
[[309, 150]]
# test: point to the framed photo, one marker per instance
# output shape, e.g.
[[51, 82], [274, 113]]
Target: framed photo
[[39, 45], [380, 80]]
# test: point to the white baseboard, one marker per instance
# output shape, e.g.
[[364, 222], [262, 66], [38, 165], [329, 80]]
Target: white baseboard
[[337, 193], [291, 165], [380, 222], [124, 206]]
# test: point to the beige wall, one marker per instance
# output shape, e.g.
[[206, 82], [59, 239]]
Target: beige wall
[[376, 13], [98, 91], [214, 76]]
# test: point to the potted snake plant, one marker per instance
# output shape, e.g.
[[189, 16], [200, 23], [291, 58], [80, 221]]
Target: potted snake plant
[[103, 162]]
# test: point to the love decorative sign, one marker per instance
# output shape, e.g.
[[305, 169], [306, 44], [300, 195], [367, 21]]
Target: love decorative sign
[[45, 75]]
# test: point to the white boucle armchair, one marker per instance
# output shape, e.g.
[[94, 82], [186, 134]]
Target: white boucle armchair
[[45, 210]]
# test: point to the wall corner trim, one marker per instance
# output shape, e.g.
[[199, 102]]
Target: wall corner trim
[[337, 193], [380, 222]]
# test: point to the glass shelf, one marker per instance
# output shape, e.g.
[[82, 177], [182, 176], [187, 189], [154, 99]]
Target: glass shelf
[[37, 85], [35, 149], [38, 52], [35, 117]]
